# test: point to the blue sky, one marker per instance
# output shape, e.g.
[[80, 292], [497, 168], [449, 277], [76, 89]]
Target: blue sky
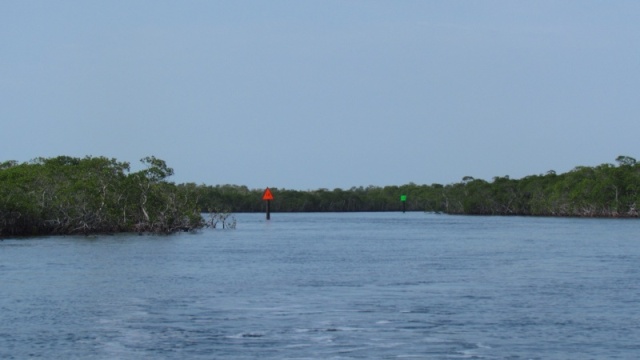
[[323, 94]]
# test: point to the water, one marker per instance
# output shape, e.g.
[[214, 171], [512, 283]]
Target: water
[[330, 286]]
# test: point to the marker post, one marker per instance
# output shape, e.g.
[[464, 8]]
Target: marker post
[[403, 198], [267, 196]]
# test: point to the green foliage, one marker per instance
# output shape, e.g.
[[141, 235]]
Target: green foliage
[[626, 160], [602, 191], [66, 195]]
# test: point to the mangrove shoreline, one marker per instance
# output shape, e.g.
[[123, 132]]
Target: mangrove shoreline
[[98, 195]]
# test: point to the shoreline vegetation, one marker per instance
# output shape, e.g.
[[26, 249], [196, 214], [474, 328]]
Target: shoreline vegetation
[[67, 195]]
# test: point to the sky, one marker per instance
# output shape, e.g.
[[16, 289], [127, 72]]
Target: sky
[[304, 94]]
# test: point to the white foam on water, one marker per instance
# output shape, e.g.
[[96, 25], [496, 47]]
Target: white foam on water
[[466, 354], [113, 349], [353, 349], [124, 340], [436, 340], [379, 343], [322, 339]]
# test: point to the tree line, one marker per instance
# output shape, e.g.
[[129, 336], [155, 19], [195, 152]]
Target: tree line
[[67, 195], [606, 190]]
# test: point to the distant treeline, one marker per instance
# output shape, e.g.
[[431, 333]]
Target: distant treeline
[[66, 195], [602, 191]]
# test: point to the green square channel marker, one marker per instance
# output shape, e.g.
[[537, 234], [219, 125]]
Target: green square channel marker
[[403, 197]]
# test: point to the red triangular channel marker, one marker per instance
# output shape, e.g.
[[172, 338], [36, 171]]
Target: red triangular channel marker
[[267, 195]]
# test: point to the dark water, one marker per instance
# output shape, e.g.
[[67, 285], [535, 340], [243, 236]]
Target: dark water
[[330, 286]]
